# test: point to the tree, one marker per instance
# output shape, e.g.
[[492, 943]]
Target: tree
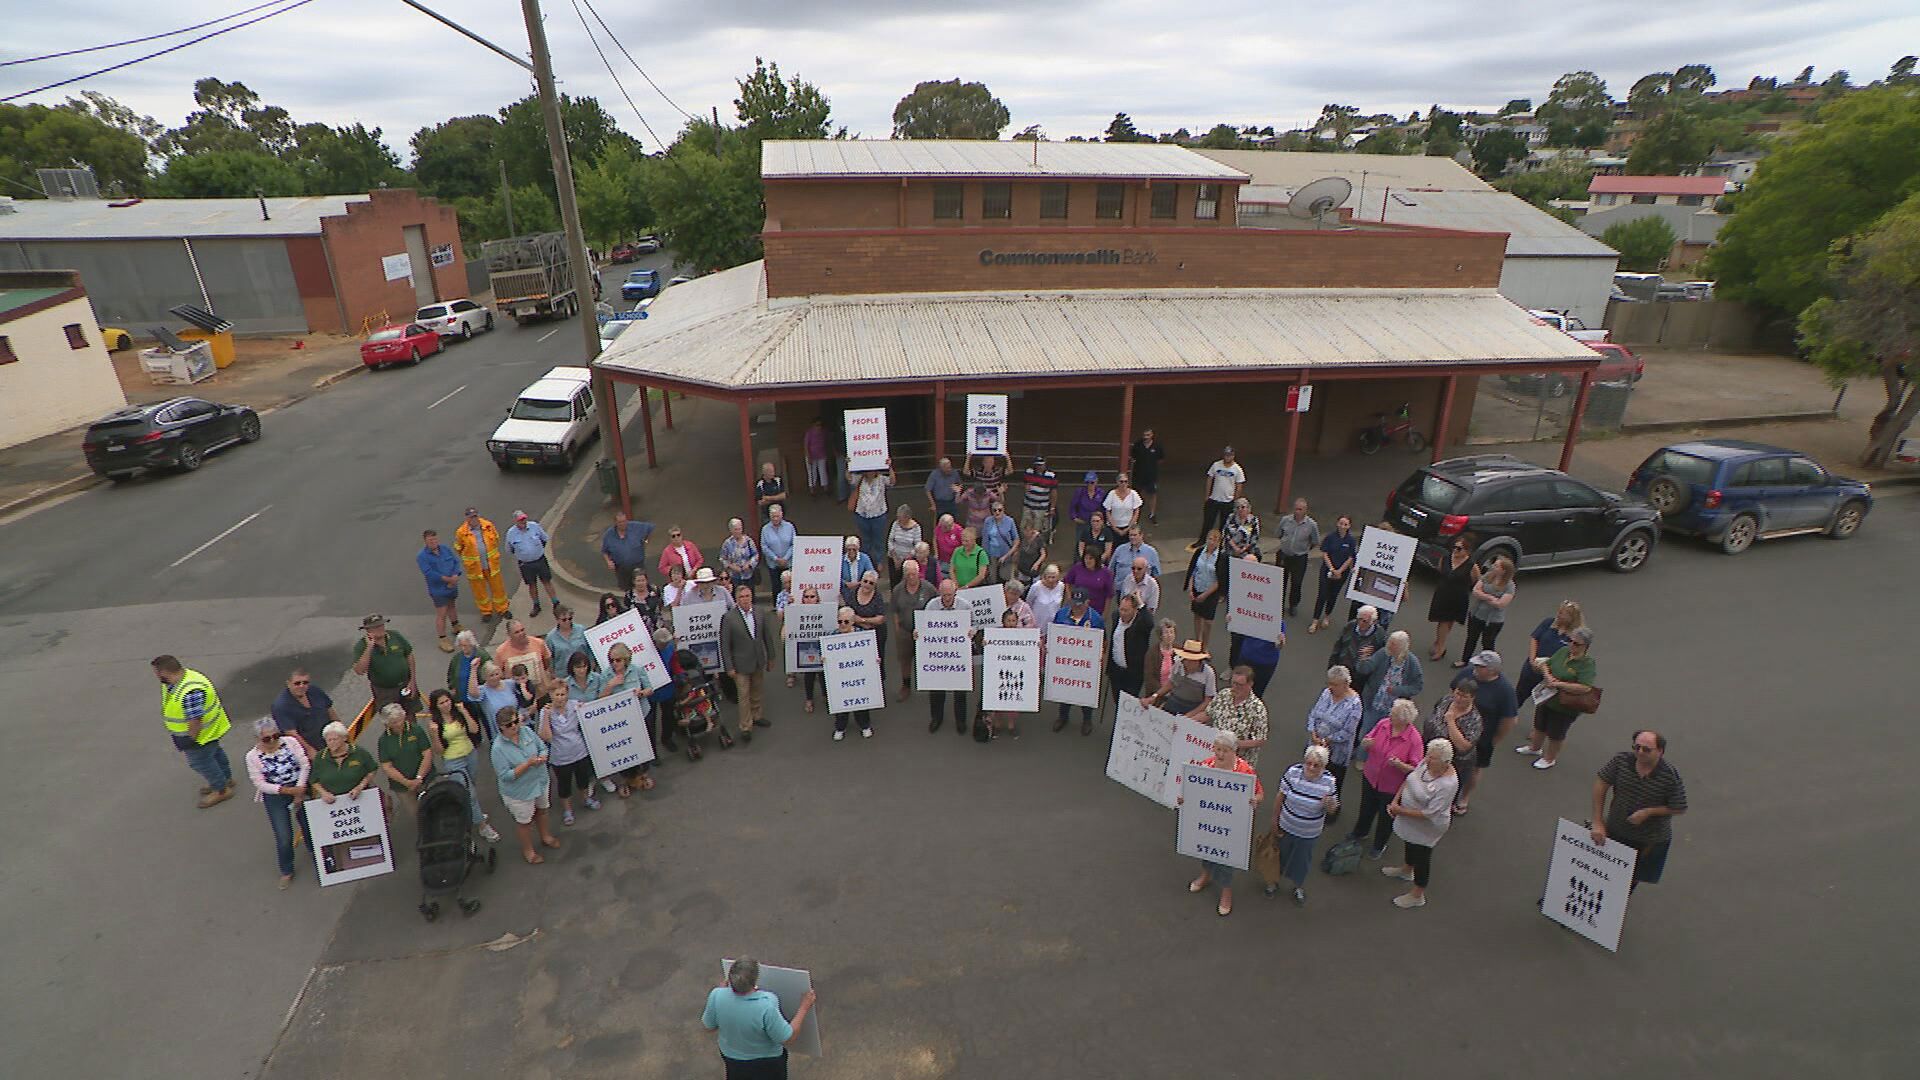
[[1672, 142], [484, 217], [1516, 106], [1121, 129], [1837, 83], [1578, 98], [1870, 326], [1643, 243], [1544, 185], [1663, 90], [110, 112], [772, 109], [1221, 137], [612, 195], [341, 161], [708, 207], [1832, 179], [1901, 73], [41, 137], [227, 174], [1495, 150], [230, 117], [1384, 140], [522, 139], [1178, 137], [458, 157], [1339, 120], [1805, 78], [950, 110], [1031, 133]]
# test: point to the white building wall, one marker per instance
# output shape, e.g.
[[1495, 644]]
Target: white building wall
[[1577, 285], [54, 386]]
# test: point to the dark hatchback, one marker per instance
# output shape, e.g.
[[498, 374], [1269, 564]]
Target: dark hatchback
[[173, 434], [1534, 515], [1734, 492]]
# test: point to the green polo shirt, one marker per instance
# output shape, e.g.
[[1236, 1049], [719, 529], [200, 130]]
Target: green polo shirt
[[339, 777], [403, 751], [388, 669], [966, 564]]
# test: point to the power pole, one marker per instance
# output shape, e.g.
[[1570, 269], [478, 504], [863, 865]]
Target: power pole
[[604, 398], [506, 197]]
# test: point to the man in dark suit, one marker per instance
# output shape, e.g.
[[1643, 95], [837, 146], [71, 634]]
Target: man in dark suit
[[1127, 653], [746, 653]]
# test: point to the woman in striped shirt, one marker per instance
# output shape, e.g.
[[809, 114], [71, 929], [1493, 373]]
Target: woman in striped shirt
[[1308, 793]]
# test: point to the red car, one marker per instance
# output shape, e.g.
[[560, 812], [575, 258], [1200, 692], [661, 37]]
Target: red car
[[1619, 365], [398, 344]]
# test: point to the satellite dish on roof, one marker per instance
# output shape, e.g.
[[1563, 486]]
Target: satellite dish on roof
[[1320, 198]]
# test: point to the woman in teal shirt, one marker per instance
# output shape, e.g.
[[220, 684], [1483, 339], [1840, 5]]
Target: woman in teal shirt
[[753, 1034]]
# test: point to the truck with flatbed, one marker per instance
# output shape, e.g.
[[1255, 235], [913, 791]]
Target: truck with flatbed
[[531, 277]]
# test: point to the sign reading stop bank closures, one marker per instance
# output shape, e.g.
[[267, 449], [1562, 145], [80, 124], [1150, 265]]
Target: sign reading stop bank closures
[[986, 423], [1073, 664], [867, 440], [1216, 815]]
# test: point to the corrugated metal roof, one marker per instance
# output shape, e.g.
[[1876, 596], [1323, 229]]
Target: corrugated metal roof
[[1657, 185], [1530, 230], [1291, 169], [782, 159], [721, 331], [94, 219]]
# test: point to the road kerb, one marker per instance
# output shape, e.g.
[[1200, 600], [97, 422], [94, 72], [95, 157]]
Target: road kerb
[[50, 492], [325, 381], [571, 494]]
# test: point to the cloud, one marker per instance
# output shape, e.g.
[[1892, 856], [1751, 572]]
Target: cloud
[[1067, 65]]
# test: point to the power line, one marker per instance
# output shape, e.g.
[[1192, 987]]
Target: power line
[[152, 55], [616, 79], [636, 64], [139, 40]]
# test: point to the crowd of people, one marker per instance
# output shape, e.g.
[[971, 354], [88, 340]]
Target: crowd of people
[[1420, 743]]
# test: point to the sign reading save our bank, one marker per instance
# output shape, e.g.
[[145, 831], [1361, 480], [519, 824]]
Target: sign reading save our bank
[[1099, 257]]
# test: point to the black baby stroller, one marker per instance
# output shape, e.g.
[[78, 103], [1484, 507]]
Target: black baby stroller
[[446, 845], [696, 708]]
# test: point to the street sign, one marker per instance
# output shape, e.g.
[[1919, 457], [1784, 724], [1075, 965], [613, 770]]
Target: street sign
[[626, 316], [1300, 398]]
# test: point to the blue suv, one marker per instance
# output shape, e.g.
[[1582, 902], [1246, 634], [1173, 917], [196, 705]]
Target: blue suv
[[1734, 492], [639, 285]]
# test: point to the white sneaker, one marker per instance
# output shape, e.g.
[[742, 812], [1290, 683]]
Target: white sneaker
[[839, 735], [1398, 872], [1408, 900], [1523, 748], [489, 833], [866, 733], [607, 786], [1543, 763]]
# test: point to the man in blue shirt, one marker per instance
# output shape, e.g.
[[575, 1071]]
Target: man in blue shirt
[[303, 711], [441, 569], [624, 547], [1078, 612], [1000, 535], [943, 490], [753, 1034], [1498, 706], [528, 542], [1136, 547], [776, 547]]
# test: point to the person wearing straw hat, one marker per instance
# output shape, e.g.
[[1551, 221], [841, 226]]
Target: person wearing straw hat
[[1191, 688], [705, 588]]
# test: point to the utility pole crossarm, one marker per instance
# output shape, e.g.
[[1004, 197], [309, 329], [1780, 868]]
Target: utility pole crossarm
[[457, 28]]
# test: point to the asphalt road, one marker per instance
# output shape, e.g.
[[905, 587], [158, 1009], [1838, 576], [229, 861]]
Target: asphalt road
[[144, 937]]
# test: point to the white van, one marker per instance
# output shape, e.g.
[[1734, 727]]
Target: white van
[[549, 422]]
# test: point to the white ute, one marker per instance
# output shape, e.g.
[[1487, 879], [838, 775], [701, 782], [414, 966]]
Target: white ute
[[549, 422]]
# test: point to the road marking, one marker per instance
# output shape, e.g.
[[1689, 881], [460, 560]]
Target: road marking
[[450, 393], [548, 334], [230, 531]]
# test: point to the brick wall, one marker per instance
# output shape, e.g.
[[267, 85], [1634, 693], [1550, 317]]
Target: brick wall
[[314, 282], [930, 260], [799, 205], [357, 240]]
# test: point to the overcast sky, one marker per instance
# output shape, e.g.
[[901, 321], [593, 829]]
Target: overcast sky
[[1067, 65]]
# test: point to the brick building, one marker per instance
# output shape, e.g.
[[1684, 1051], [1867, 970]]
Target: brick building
[[311, 264], [1102, 286]]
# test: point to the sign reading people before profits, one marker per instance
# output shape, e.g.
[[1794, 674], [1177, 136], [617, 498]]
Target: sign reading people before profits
[[942, 649], [852, 664], [1010, 670], [866, 440], [1380, 573], [1216, 815], [697, 628], [349, 837], [1149, 746], [1255, 594], [806, 625], [1073, 665], [789, 985], [986, 603], [1587, 884], [816, 562], [986, 423], [616, 733], [629, 629]]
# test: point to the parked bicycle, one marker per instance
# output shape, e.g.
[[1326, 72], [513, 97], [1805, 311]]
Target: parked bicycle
[[1386, 429]]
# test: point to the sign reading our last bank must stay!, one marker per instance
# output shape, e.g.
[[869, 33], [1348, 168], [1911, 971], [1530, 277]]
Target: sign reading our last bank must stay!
[[1216, 815], [615, 730]]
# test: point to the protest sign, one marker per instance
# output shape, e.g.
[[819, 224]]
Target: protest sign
[[866, 440], [1010, 670], [349, 837], [1142, 744], [697, 628], [816, 562], [1256, 592], [1588, 884], [942, 649], [853, 672], [1216, 815], [1380, 572], [616, 733], [986, 602], [789, 985], [1073, 665], [806, 625], [986, 423], [629, 629]]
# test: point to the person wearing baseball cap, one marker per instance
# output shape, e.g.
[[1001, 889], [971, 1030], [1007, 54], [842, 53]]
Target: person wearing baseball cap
[[1078, 612], [1498, 706], [1037, 501], [477, 542], [1226, 481], [385, 657], [1087, 501], [528, 542]]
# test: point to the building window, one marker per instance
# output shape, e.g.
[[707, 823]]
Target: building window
[[1643, 200], [996, 201], [76, 338], [1691, 200], [6, 351], [1053, 200], [1163, 200], [1206, 204], [1109, 202], [947, 201], [1604, 200]]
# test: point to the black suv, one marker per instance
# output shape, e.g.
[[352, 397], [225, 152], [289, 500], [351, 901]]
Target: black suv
[[1534, 515], [176, 434]]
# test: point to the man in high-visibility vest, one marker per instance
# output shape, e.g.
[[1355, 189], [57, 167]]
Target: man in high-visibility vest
[[191, 708], [478, 544]]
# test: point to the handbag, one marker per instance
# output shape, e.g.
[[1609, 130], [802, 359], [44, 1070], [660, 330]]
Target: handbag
[[1266, 858], [1580, 701], [1343, 857], [982, 729]]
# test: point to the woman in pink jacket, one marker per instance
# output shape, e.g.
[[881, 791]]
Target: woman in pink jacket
[[278, 766], [1394, 748]]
